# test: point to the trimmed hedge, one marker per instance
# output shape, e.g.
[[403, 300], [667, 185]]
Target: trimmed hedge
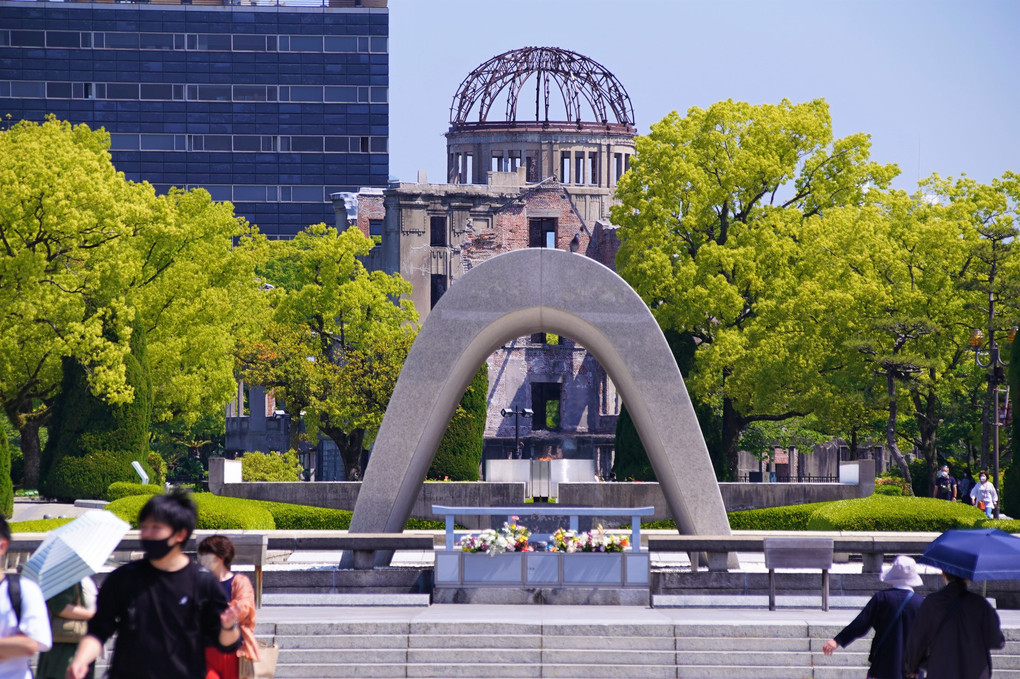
[[38, 525], [214, 512], [87, 477], [1008, 525], [884, 513], [789, 517], [302, 517], [273, 467], [460, 450], [125, 489]]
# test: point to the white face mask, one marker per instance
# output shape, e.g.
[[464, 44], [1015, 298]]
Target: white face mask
[[983, 478], [208, 560]]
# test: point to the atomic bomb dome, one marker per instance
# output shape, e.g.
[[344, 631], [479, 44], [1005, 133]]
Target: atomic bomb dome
[[582, 132]]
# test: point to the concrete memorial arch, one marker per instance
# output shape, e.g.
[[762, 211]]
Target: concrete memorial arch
[[516, 294]]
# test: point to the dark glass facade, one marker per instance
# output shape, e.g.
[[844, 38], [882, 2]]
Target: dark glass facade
[[271, 107]]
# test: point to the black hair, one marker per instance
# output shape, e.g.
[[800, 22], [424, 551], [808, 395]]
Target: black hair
[[5, 530], [176, 509], [951, 577]]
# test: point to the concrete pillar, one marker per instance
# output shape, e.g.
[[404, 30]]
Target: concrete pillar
[[223, 471]]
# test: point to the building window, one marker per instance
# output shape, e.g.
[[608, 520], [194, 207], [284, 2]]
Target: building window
[[531, 163], [375, 227], [545, 401], [437, 232], [542, 232], [437, 289]]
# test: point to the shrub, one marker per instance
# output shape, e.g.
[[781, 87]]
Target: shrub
[[6, 484], [124, 489], [302, 517], [87, 477], [881, 512], [460, 450], [39, 525], [889, 489], [158, 466], [789, 517], [88, 427], [217, 512], [214, 512], [258, 466], [1008, 525]]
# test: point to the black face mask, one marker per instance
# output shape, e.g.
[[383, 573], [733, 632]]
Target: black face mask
[[156, 549]]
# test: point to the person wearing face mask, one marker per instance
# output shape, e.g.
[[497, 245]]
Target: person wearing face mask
[[984, 495], [165, 609], [216, 553], [946, 487]]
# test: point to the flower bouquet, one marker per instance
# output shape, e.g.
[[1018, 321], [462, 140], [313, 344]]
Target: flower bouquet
[[597, 540], [509, 538]]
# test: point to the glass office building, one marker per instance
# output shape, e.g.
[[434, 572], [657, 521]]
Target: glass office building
[[270, 106]]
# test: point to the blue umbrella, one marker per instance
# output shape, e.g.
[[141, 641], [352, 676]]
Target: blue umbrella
[[983, 554]]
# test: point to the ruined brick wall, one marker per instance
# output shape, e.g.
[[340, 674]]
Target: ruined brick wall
[[370, 206]]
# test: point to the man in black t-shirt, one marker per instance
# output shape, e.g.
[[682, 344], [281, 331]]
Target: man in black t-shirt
[[164, 608], [946, 487]]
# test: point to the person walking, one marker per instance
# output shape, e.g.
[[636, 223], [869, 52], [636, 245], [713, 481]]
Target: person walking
[[216, 553], [165, 609], [24, 624], [946, 486], [891, 613], [984, 495], [70, 611], [953, 635]]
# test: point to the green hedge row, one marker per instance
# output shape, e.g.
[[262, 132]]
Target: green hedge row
[[216, 512], [790, 517], [38, 525], [126, 489], [886, 513]]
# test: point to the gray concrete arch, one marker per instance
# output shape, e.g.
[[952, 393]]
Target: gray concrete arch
[[516, 294]]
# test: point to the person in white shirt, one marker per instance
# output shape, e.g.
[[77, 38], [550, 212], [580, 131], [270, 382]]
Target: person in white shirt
[[984, 492], [24, 635]]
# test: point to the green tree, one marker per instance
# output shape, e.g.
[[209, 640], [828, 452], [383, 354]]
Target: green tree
[[338, 337], [94, 443], [711, 213], [6, 484], [258, 466], [64, 216], [460, 450], [1011, 479]]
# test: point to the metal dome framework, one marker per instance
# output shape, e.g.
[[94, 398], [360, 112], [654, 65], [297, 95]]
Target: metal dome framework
[[577, 78]]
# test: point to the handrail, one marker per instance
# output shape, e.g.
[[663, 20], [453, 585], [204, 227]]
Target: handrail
[[552, 510]]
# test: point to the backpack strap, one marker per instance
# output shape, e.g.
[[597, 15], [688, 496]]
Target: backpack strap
[[14, 594]]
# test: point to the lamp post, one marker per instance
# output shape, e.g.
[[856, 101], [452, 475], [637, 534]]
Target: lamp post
[[517, 412], [995, 364]]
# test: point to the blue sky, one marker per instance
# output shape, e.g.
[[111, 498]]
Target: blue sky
[[936, 84]]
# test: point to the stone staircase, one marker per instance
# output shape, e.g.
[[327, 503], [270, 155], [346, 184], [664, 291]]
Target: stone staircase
[[477, 649]]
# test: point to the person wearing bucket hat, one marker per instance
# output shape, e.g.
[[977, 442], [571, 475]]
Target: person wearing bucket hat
[[891, 613]]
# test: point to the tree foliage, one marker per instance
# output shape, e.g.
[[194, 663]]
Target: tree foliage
[[86, 255], [258, 466], [337, 340], [6, 484], [711, 214], [460, 450]]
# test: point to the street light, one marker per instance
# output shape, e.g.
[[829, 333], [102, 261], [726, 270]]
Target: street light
[[517, 412], [995, 364]]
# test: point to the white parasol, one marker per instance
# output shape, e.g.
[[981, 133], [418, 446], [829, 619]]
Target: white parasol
[[74, 551]]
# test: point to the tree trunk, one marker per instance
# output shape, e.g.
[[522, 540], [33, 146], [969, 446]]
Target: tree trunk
[[927, 425], [732, 424], [32, 451], [890, 429], [350, 447]]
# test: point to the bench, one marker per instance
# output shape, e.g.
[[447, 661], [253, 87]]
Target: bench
[[872, 548], [798, 553]]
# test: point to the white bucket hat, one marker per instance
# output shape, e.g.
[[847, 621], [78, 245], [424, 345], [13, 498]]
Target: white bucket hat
[[902, 573]]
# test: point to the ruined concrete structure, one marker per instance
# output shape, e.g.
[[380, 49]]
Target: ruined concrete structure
[[516, 183]]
